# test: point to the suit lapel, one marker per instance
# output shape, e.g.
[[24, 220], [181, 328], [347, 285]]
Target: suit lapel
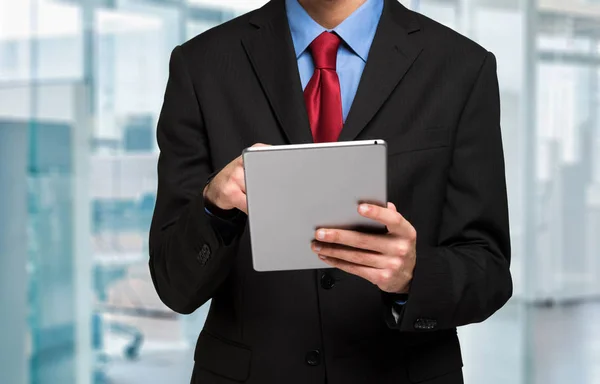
[[391, 56], [271, 52]]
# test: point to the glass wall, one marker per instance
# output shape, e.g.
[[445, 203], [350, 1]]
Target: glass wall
[[81, 86]]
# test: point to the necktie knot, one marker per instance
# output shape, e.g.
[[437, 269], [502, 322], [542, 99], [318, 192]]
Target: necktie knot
[[324, 50]]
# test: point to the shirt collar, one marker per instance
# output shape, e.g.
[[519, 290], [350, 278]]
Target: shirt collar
[[357, 31]]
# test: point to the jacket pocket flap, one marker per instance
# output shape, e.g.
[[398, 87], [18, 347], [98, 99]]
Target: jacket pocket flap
[[223, 357], [418, 139], [434, 359]]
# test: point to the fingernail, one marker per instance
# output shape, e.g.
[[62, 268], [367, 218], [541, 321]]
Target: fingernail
[[320, 234], [317, 247], [322, 257], [363, 208]]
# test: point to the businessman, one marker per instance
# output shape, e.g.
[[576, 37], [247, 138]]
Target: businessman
[[301, 71]]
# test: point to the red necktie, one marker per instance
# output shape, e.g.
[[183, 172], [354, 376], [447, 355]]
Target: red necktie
[[322, 93]]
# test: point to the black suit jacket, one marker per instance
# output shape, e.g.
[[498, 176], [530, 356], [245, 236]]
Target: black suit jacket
[[433, 96]]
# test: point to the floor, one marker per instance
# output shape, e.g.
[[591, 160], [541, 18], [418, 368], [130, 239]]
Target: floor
[[521, 344]]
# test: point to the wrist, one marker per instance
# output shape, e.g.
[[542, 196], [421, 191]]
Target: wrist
[[214, 209], [210, 201], [403, 291], [206, 193]]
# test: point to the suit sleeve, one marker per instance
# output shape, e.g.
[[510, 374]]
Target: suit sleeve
[[466, 277], [188, 257]]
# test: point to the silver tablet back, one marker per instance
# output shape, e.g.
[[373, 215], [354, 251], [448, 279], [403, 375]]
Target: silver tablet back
[[292, 190]]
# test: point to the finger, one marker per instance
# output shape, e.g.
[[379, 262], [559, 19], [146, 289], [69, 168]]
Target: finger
[[388, 217], [239, 179], [364, 241], [240, 163], [392, 206], [351, 255], [367, 273], [240, 159], [239, 201]]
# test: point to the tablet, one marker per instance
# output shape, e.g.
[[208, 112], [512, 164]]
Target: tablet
[[292, 190]]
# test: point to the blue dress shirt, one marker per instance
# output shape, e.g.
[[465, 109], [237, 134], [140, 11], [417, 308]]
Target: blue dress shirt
[[357, 33]]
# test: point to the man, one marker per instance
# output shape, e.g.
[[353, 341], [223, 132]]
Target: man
[[297, 71]]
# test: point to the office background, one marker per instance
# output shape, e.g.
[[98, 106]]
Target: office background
[[81, 85]]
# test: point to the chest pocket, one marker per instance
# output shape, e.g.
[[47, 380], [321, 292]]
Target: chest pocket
[[418, 140]]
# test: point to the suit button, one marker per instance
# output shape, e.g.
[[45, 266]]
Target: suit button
[[327, 281], [203, 255], [313, 358]]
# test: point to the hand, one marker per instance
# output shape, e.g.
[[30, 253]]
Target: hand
[[227, 190], [387, 260]]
